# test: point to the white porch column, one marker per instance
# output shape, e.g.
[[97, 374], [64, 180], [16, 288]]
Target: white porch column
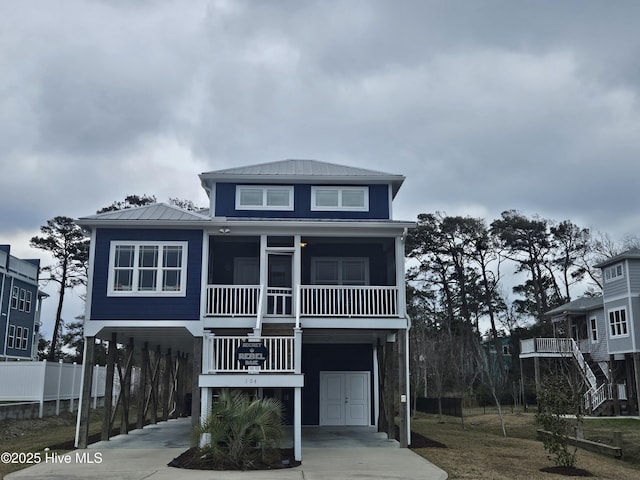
[[205, 407], [376, 386], [297, 424], [297, 350]]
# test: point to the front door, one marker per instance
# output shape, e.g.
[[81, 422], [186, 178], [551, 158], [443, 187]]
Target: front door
[[344, 398], [279, 284]]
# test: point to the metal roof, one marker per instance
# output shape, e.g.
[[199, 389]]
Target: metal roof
[[154, 212], [633, 253], [580, 305], [301, 170]]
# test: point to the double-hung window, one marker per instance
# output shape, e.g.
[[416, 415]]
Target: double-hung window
[[351, 199], [12, 336], [593, 323], [28, 301], [23, 299], [15, 293], [147, 268], [23, 341], [618, 322], [264, 197]]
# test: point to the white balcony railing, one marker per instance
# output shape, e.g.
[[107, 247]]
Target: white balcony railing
[[311, 301], [233, 300], [348, 301], [220, 354]]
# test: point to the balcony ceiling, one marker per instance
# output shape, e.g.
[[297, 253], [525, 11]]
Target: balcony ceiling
[[175, 338]]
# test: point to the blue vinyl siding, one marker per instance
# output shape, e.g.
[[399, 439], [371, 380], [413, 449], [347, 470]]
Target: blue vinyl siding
[[335, 358], [634, 276], [104, 307], [16, 317], [378, 205]]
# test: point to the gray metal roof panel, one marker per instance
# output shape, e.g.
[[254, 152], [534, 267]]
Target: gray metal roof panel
[[632, 253], [580, 305], [300, 167], [156, 211]]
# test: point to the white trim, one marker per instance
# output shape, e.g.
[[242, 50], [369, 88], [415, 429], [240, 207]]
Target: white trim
[[265, 192], [90, 279], [251, 380], [340, 191], [390, 193], [158, 292]]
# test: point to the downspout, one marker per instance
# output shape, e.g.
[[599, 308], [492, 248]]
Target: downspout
[[406, 339], [408, 384]]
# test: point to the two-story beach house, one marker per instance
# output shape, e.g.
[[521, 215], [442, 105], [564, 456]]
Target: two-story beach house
[[602, 335], [287, 286], [20, 302]]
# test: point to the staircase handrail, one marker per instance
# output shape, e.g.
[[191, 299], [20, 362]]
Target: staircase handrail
[[586, 369]]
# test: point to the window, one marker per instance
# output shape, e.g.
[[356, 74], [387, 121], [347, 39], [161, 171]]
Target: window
[[15, 292], [613, 273], [354, 199], [255, 197], [27, 307], [23, 299], [618, 322], [593, 323], [12, 336], [23, 339], [340, 271], [148, 268]]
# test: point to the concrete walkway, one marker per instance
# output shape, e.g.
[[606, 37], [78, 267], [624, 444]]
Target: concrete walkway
[[328, 453]]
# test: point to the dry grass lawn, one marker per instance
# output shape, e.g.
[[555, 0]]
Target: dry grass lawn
[[480, 451]]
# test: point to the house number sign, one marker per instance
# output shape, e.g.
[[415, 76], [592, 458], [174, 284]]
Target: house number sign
[[251, 353]]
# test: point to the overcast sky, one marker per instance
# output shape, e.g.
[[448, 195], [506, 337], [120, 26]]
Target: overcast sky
[[483, 105]]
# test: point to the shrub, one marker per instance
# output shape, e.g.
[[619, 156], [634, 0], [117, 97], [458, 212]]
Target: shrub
[[242, 432], [556, 399]]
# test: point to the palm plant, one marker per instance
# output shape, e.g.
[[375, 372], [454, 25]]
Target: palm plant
[[241, 432]]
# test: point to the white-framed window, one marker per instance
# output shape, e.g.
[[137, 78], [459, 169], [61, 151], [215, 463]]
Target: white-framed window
[[23, 299], [618, 322], [15, 294], [614, 272], [593, 325], [28, 302], [23, 341], [12, 336], [352, 199], [340, 271], [264, 197], [147, 268]]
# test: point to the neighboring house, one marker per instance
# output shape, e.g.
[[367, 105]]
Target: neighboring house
[[603, 335], [288, 286], [20, 303]]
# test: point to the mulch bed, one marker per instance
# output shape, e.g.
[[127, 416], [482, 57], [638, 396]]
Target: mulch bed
[[194, 459], [419, 441], [568, 471]]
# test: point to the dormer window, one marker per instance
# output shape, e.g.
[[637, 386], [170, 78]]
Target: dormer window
[[613, 273], [353, 199], [257, 197]]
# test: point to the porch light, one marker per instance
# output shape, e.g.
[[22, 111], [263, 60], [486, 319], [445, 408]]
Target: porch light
[[303, 244], [224, 231]]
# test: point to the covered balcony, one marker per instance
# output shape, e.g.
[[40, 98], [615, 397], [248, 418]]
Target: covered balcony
[[284, 277]]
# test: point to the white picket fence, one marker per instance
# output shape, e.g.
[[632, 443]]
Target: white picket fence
[[48, 381]]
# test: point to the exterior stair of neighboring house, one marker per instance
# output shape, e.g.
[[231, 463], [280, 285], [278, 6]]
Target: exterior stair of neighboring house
[[597, 393]]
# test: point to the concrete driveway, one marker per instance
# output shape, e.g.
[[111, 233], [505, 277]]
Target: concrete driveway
[[328, 453]]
